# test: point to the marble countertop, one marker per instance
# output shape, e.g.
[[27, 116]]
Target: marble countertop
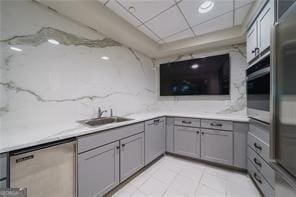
[[40, 134]]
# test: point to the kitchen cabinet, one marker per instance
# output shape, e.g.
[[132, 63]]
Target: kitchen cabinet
[[252, 42], [169, 135], [240, 137], [258, 35], [3, 166], [187, 141], [154, 139], [217, 146], [131, 155], [98, 170], [264, 24]]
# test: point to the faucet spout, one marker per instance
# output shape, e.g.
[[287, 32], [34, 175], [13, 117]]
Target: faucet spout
[[100, 112]]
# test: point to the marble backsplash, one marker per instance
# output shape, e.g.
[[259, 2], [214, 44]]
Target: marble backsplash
[[46, 84]]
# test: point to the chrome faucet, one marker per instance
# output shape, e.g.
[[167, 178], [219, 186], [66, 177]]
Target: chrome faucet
[[100, 112]]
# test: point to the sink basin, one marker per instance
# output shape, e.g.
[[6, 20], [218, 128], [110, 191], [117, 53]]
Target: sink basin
[[102, 121]]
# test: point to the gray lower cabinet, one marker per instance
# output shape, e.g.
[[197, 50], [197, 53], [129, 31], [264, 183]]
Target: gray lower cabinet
[[169, 135], [240, 137], [217, 146], [154, 139], [3, 183], [187, 141], [98, 170], [131, 155]]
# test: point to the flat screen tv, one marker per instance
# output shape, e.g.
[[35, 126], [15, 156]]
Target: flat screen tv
[[202, 76]]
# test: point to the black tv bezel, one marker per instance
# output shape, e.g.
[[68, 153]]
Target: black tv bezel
[[185, 95]]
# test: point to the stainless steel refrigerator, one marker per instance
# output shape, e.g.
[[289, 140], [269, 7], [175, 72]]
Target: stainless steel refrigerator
[[284, 102]]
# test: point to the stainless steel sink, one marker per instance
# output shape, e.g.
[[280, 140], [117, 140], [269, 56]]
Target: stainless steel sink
[[103, 121]]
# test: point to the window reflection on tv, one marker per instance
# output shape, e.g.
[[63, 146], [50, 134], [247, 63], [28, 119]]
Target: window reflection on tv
[[202, 76]]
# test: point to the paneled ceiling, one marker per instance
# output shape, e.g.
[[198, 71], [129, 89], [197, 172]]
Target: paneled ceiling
[[166, 21]]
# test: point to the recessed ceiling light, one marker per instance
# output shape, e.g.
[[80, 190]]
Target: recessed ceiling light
[[194, 66], [105, 58], [16, 49], [206, 6], [132, 9], [52, 41]]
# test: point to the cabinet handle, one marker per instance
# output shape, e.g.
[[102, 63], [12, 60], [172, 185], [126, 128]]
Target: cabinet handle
[[186, 122], [216, 124], [123, 145], [256, 51], [202, 133], [257, 162], [257, 178], [156, 121], [117, 147], [197, 132], [257, 146]]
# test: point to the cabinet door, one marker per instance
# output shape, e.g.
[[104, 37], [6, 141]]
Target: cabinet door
[[154, 139], [217, 146], [98, 170], [131, 155], [252, 42], [264, 21], [169, 134], [187, 141]]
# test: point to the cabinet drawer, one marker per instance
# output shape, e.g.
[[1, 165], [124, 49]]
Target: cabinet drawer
[[3, 166], [154, 121], [258, 146], [217, 124], [260, 130], [262, 166], [189, 122], [99, 139], [264, 186]]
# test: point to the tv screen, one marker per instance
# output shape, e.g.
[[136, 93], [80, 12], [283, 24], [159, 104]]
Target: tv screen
[[202, 76]]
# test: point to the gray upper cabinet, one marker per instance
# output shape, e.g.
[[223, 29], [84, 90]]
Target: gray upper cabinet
[[169, 134], [131, 155], [154, 139], [98, 170], [217, 146], [258, 35], [264, 24], [252, 42], [187, 141]]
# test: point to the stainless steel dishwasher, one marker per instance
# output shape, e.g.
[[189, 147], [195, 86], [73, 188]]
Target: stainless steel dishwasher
[[47, 171]]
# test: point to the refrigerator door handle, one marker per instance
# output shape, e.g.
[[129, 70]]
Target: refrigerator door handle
[[273, 91]]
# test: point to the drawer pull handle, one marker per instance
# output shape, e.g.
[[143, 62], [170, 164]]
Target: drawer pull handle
[[117, 147], [123, 145], [257, 162], [197, 132], [186, 122], [202, 133], [257, 146], [257, 178], [216, 124]]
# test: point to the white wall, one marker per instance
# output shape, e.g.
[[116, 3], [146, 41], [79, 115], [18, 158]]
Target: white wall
[[49, 84], [234, 104]]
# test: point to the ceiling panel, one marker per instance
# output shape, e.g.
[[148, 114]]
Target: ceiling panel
[[190, 10], [184, 34], [241, 13], [149, 33], [168, 23], [240, 3], [222, 22], [119, 10], [146, 9]]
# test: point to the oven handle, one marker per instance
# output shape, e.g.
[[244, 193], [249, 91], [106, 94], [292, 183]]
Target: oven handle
[[258, 74]]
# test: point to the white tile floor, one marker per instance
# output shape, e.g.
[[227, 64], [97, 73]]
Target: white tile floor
[[175, 177]]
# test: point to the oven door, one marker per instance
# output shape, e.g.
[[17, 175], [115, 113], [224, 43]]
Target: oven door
[[258, 95]]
